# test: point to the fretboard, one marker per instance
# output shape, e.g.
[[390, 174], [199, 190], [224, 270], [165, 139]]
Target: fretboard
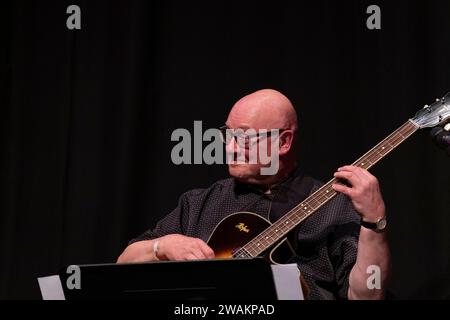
[[307, 207]]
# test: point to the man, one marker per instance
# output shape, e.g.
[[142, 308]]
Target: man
[[337, 248]]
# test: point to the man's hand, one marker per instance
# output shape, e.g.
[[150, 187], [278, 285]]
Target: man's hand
[[170, 247], [364, 191], [179, 247]]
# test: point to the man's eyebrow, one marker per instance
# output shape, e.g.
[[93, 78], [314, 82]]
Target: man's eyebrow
[[245, 127]]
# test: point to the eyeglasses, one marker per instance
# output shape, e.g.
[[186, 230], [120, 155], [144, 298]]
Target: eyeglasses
[[246, 137]]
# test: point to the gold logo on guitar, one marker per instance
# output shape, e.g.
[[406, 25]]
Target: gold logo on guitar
[[242, 227]]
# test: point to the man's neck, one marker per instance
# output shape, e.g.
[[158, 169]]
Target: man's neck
[[284, 172]]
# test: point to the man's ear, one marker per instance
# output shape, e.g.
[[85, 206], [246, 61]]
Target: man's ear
[[285, 142]]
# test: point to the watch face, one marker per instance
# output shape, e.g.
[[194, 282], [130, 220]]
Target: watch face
[[381, 224]]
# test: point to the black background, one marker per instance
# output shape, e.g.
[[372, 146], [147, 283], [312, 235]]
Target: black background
[[86, 117]]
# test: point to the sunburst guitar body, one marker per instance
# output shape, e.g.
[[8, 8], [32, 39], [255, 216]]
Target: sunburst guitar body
[[237, 230]]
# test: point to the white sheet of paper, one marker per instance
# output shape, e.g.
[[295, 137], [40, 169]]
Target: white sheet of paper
[[287, 281], [51, 288]]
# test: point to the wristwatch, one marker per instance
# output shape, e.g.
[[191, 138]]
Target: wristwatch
[[380, 224]]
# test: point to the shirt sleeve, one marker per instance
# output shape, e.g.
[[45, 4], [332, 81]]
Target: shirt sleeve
[[344, 255], [344, 246]]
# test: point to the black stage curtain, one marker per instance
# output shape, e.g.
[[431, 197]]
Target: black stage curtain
[[87, 116]]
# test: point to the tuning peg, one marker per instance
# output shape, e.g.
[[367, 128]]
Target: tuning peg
[[425, 106], [447, 127], [437, 99]]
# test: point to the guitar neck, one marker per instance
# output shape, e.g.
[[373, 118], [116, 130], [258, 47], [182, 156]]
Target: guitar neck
[[303, 210]]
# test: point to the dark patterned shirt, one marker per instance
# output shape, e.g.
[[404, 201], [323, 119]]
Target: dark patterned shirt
[[325, 243]]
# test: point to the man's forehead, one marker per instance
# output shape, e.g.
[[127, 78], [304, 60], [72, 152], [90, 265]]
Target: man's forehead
[[239, 118]]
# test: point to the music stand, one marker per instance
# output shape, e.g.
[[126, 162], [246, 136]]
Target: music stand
[[241, 279]]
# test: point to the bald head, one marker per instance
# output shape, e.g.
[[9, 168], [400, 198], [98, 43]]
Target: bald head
[[263, 109]]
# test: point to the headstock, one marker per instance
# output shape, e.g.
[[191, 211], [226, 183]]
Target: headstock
[[435, 114]]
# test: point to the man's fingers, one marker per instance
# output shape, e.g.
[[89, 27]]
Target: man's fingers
[[360, 172], [365, 177], [346, 168], [191, 256], [343, 189], [370, 177], [179, 247], [357, 171], [347, 175], [206, 250]]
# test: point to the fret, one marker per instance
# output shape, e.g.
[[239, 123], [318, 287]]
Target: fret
[[383, 149], [323, 192], [302, 216], [257, 245], [368, 162], [318, 200], [242, 253], [280, 228], [364, 164], [312, 203], [275, 232], [248, 254], [390, 145], [266, 237], [321, 199], [396, 141], [304, 206], [295, 216], [287, 222], [380, 150], [329, 193], [251, 251]]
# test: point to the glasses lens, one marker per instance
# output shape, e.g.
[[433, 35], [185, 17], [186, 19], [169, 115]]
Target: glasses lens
[[244, 138]]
